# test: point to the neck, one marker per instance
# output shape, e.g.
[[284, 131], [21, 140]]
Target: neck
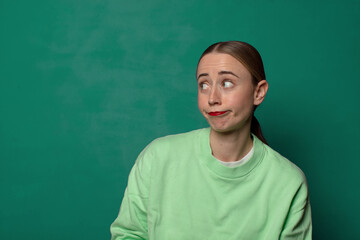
[[230, 146]]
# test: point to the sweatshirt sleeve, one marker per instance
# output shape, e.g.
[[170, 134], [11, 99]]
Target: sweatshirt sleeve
[[131, 222], [298, 224]]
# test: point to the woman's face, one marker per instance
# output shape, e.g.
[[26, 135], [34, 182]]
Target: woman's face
[[226, 94]]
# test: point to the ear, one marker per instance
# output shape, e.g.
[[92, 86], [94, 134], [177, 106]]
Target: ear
[[260, 92]]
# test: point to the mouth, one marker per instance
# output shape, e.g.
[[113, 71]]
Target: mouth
[[214, 114]]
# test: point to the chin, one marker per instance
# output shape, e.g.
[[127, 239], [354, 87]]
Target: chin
[[225, 129], [219, 129]]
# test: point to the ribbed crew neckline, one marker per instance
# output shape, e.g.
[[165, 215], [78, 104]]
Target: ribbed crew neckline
[[205, 155]]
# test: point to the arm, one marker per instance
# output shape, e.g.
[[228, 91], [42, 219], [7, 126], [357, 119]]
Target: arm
[[131, 222], [298, 224]]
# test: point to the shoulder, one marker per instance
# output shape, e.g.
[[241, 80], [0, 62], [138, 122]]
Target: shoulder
[[169, 152], [172, 145], [282, 167], [285, 178]]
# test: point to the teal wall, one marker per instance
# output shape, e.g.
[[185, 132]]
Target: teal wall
[[86, 85]]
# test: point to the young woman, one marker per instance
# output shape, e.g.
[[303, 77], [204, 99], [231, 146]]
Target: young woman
[[222, 182]]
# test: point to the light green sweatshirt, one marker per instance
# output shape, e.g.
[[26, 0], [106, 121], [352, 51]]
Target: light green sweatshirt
[[178, 191]]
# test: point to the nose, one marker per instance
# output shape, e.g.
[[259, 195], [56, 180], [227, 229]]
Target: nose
[[214, 97]]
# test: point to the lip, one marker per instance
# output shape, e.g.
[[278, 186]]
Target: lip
[[217, 113]]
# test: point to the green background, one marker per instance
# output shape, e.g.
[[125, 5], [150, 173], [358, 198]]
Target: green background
[[86, 85]]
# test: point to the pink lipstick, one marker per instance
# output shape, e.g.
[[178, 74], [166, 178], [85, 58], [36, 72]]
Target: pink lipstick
[[217, 113]]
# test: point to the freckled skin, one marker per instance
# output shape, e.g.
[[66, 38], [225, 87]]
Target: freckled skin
[[225, 92]]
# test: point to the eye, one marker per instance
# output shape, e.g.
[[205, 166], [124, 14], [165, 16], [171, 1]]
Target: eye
[[203, 86], [227, 84]]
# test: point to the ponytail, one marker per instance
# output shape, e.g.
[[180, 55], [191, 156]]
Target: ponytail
[[256, 129]]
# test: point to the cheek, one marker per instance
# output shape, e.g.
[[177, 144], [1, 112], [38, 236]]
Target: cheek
[[201, 100], [243, 101], [199, 103]]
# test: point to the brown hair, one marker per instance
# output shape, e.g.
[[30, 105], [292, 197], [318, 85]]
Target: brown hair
[[251, 59]]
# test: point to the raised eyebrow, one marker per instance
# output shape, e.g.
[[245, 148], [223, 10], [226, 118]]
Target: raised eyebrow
[[220, 73], [228, 72], [202, 75]]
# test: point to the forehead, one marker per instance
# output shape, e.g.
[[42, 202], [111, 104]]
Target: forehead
[[215, 62]]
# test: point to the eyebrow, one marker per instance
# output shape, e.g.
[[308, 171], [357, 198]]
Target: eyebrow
[[227, 72], [220, 73]]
